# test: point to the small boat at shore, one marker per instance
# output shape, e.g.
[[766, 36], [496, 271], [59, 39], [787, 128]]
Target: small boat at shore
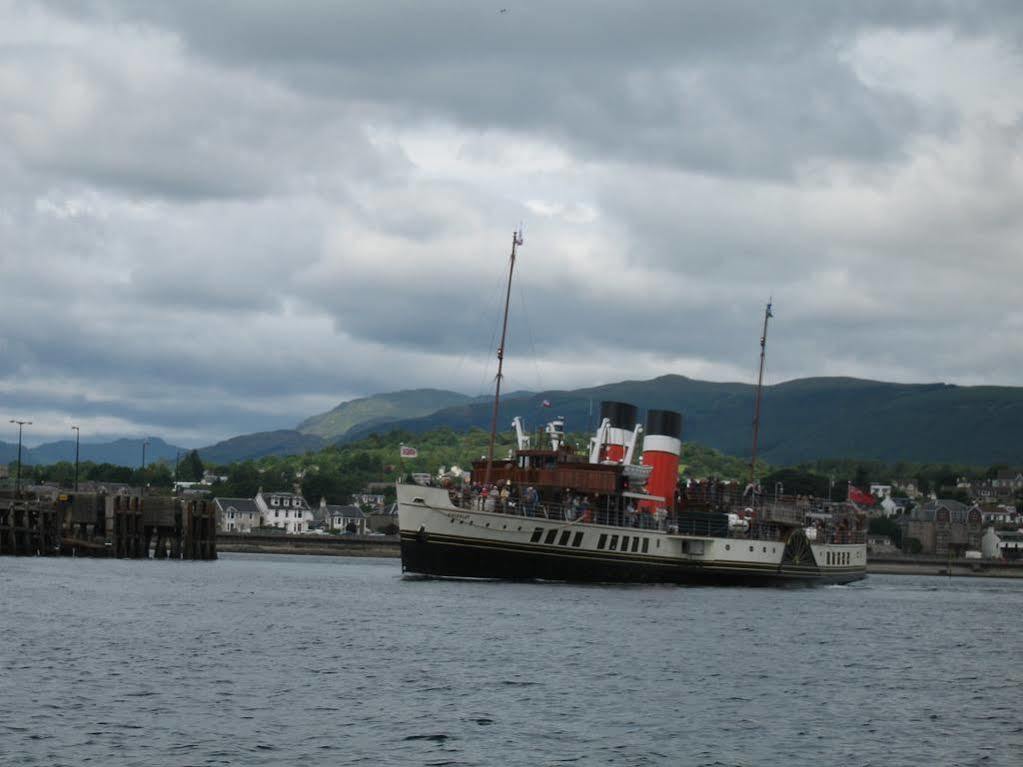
[[616, 514]]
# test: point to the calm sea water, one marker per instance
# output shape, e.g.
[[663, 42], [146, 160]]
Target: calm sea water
[[263, 660]]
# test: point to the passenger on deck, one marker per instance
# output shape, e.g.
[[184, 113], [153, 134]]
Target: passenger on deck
[[530, 499], [572, 509], [585, 511]]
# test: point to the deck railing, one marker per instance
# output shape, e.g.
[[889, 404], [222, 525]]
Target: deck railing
[[769, 527]]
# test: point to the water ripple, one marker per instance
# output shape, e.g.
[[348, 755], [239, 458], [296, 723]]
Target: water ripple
[[262, 660]]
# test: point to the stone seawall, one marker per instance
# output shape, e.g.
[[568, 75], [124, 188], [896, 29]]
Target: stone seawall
[[320, 545], [960, 568]]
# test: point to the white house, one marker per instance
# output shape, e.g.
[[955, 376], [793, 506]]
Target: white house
[[1002, 544], [236, 515], [288, 511], [998, 515], [888, 507], [881, 491]]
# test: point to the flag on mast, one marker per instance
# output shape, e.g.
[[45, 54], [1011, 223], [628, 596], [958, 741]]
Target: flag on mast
[[859, 497]]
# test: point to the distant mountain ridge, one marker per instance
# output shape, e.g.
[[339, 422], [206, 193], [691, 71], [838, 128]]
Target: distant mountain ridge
[[120, 452], [802, 420], [249, 447], [379, 409]]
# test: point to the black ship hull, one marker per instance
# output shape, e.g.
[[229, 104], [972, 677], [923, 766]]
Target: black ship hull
[[454, 557]]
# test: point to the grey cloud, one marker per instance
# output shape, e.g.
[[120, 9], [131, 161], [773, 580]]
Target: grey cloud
[[232, 235], [739, 88]]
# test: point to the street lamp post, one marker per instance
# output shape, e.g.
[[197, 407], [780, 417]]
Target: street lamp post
[[17, 481], [78, 433]]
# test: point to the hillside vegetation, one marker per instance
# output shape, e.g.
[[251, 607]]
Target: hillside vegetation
[[370, 412], [338, 471], [803, 420]]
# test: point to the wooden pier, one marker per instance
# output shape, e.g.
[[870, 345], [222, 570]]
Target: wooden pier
[[98, 525]]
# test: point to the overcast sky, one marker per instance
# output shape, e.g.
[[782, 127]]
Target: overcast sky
[[218, 218]]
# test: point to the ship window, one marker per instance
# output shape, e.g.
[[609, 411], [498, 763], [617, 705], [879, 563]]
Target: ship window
[[614, 543], [751, 548], [565, 534], [728, 547], [635, 544], [625, 543], [602, 541], [537, 532], [658, 543], [577, 540], [551, 535], [646, 545]]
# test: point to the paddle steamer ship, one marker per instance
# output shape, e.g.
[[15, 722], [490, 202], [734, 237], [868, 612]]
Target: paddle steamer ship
[[551, 512]]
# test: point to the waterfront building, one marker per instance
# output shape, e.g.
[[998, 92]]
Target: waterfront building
[[236, 515], [998, 514], [287, 511], [338, 518], [943, 526], [1002, 544], [384, 520]]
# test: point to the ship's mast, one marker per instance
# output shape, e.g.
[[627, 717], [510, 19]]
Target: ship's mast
[[756, 408], [516, 241]]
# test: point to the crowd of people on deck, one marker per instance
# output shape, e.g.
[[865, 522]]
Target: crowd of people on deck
[[507, 498]]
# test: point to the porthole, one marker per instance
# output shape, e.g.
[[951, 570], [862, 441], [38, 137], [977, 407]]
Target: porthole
[[728, 547], [765, 549], [751, 548]]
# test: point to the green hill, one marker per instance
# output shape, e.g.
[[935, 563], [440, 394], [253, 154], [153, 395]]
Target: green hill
[[802, 420], [265, 443], [371, 412]]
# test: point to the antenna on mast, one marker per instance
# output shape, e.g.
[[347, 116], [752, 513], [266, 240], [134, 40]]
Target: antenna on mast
[[760, 387], [516, 241]]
